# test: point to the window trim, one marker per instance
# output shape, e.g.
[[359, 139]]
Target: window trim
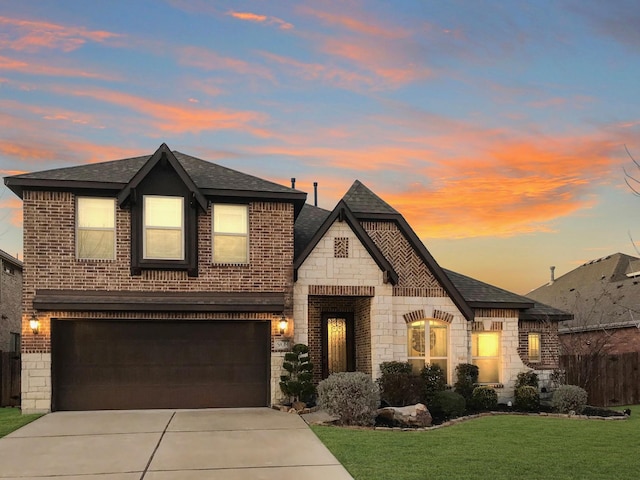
[[246, 235], [101, 229], [497, 357], [181, 228], [534, 358]]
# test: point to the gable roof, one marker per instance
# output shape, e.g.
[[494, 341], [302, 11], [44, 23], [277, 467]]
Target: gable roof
[[601, 293], [361, 200], [342, 213], [211, 179], [10, 259]]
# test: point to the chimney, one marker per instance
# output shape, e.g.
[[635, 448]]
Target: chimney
[[315, 194], [293, 182], [553, 278]]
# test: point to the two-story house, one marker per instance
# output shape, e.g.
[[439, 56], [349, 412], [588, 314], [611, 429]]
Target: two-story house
[[10, 302], [166, 281]]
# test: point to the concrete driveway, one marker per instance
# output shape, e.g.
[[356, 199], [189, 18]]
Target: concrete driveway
[[225, 444]]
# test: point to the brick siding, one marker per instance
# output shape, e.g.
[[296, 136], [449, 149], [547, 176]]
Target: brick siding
[[10, 304], [549, 345]]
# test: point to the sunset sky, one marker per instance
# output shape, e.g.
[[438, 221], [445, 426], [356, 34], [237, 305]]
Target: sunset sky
[[498, 129]]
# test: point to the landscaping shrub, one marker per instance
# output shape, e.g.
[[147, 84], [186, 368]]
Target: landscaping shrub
[[433, 380], [298, 381], [484, 399], [527, 399], [399, 386], [351, 396], [529, 378], [447, 405], [467, 375], [568, 398]]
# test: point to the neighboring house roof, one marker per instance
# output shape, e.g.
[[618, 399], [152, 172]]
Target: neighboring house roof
[[10, 259], [601, 293], [210, 179], [482, 295]]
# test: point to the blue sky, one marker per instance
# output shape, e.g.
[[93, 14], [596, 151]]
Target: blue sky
[[497, 128]]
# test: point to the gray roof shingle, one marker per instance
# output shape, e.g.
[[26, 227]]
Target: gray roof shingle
[[306, 226], [361, 200]]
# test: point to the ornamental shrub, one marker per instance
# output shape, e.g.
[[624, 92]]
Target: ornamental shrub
[[351, 396], [446, 405], [484, 399], [529, 378], [527, 399], [568, 398], [433, 380], [297, 382], [467, 375], [398, 385]]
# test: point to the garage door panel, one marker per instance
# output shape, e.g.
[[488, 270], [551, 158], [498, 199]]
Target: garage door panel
[[181, 364]]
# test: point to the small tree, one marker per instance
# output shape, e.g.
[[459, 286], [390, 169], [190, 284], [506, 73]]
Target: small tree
[[297, 383], [467, 378]]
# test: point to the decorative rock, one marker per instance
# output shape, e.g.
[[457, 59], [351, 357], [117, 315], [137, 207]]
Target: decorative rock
[[411, 416]]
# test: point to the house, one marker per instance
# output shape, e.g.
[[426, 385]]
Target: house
[[604, 297], [168, 281], [10, 302]]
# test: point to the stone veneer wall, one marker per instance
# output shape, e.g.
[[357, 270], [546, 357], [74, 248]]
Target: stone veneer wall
[[50, 263], [10, 303]]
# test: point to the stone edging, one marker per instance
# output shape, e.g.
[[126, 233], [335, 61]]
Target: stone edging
[[490, 414], [288, 409]]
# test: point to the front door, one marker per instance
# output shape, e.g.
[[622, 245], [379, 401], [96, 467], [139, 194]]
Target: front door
[[338, 347]]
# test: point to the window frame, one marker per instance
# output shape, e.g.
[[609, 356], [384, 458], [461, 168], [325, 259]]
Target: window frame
[[182, 256], [538, 357], [78, 229], [427, 358], [497, 358], [215, 234]]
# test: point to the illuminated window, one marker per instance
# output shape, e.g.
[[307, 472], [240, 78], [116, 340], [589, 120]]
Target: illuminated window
[[435, 351], [230, 233], [485, 351], [163, 232], [95, 228], [534, 348]]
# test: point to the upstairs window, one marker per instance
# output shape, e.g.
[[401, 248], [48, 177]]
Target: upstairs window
[[534, 348], [95, 228], [163, 228], [230, 233]]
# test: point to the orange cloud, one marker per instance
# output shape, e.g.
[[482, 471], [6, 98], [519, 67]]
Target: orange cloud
[[369, 27], [267, 20], [22, 66], [33, 35], [13, 209], [210, 60]]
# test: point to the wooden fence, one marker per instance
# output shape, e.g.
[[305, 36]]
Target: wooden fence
[[9, 379], [610, 380]]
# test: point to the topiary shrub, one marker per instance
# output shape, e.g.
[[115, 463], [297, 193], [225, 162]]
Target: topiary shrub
[[569, 398], [467, 377], [351, 396], [446, 405], [527, 399], [298, 381], [529, 378], [433, 380], [484, 399], [399, 386]]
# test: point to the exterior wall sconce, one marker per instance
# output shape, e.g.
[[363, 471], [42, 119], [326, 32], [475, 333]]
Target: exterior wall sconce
[[282, 324], [34, 323]]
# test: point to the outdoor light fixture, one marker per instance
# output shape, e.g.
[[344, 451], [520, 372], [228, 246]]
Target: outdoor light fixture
[[34, 323], [282, 324]]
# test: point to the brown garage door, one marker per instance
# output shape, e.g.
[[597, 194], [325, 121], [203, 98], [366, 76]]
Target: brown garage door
[[100, 365]]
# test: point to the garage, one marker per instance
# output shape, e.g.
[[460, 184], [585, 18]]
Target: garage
[[104, 365]]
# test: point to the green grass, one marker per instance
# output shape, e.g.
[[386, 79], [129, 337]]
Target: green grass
[[499, 447], [12, 419]]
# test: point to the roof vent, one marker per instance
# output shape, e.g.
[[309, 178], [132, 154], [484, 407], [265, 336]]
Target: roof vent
[[315, 194], [553, 277]]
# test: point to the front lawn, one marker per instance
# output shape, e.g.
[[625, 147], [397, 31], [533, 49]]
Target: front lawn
[[12, 419], [498, 447]]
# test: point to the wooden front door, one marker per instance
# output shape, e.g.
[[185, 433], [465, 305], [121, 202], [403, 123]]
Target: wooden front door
[[338, 343]]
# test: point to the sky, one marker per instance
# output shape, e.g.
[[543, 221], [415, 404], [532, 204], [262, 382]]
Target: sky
[[499, 129]]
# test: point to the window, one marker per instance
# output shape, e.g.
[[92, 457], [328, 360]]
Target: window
[[96, 228], [14, 342], [534, 348], [163, 231], [438, 345], [230, 233], [485, 351]]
